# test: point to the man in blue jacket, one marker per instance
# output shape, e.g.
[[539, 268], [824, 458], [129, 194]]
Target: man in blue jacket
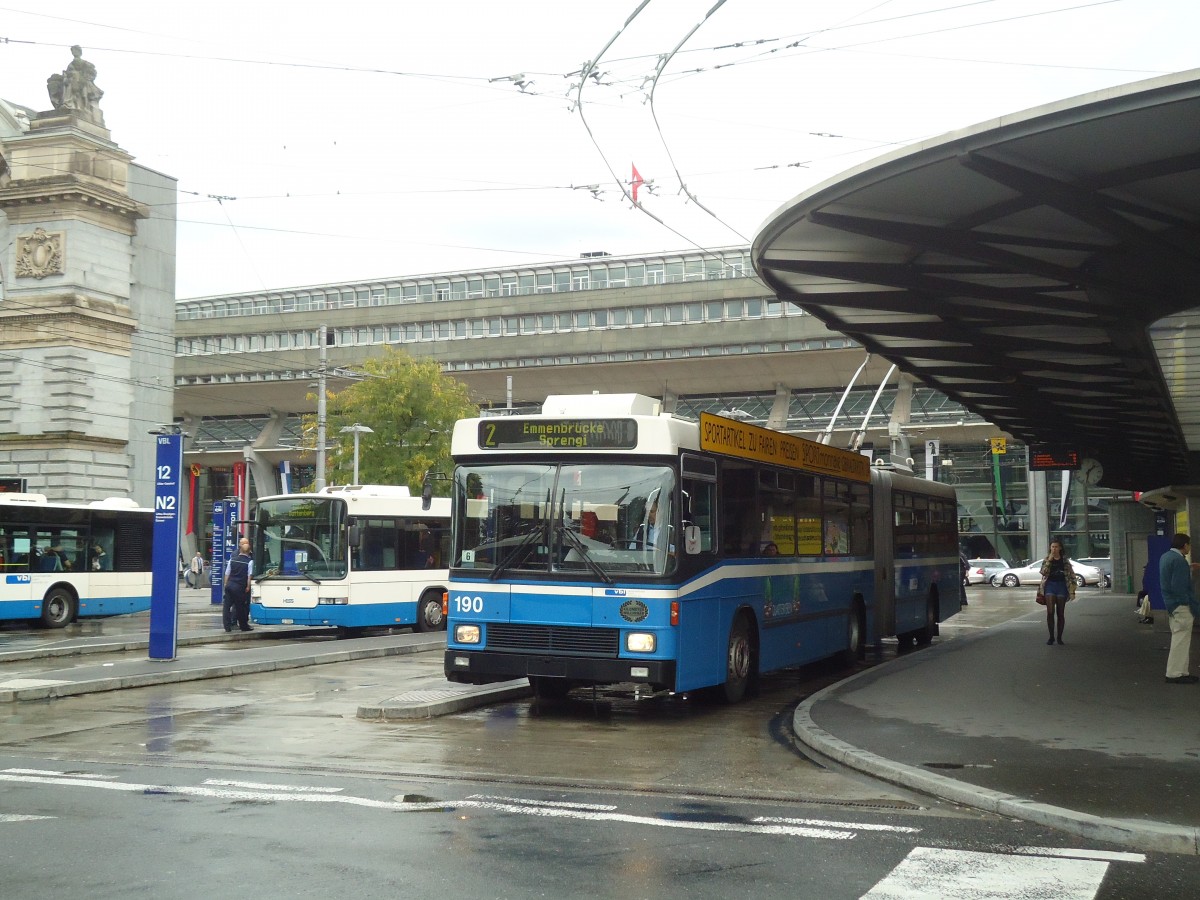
[[1175, 579]]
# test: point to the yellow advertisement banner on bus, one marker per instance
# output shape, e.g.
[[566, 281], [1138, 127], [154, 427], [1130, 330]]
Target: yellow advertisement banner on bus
[[733, 438]]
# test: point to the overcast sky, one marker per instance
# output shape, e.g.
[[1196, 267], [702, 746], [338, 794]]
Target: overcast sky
[[376, 139]]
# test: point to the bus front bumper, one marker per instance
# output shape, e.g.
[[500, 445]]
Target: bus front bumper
[[485, 667]]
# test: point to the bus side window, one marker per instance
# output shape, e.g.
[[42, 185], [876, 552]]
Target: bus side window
[[699, 511], [741, 527]]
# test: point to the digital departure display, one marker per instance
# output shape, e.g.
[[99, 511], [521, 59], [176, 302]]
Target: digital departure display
[[1046, 458], [558, 434]]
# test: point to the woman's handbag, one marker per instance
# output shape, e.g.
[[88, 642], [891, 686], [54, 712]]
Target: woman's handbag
[[1040, 598]]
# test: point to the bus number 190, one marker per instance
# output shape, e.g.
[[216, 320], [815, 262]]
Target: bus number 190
[[468, 604]]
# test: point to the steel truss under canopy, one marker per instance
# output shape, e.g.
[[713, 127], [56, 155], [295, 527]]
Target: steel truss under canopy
[[1038, 269]]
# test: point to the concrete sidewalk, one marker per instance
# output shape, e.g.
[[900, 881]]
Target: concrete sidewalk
[[108, 654], [1085, 737]]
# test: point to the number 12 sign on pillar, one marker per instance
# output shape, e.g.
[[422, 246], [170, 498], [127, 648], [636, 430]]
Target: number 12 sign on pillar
[[164, 591]]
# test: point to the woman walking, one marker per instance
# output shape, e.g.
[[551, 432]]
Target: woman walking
[[1058, 585]]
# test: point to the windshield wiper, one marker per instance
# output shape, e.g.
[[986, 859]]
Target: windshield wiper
[[517, 552], [582, 549]]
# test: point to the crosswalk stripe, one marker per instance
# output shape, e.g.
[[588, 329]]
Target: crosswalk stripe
[[961, 874]]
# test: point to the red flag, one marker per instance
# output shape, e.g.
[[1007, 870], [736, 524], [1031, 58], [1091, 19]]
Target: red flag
[[637, 182]]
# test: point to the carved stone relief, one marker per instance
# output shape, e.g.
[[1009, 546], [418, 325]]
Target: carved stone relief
[[40, 254]]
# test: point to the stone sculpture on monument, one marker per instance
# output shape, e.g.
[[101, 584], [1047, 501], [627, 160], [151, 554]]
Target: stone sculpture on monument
[[75, 91]]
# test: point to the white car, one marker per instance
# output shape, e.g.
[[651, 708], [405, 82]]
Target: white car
[[980, 571], [1031, 573]]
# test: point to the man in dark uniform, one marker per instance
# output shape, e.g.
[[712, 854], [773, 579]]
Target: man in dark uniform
[[237, 589]]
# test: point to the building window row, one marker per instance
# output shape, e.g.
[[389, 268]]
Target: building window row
[[592, 275], [618, 356], [690, 313]]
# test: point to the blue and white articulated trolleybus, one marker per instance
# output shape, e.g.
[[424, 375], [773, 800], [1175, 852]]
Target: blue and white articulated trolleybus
[[63, 561], [604, 542], [350, 557]]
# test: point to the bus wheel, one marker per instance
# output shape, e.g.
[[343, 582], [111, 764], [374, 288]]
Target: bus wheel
[[58, 608], [924, 635], [545, 688], [856, 635], [429, 612], [739, 662]]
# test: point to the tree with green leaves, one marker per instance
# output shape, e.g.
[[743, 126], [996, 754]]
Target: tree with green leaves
[[411, 408]]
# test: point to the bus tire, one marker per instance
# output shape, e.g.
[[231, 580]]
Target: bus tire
[[429, 612], [58, 608], [546, 688], [924, 634], [740, 663], [856, 635]]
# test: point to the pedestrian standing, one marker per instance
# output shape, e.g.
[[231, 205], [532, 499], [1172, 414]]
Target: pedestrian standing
[[197, 570], [1058, 584], [236, 593], [1175, 582]]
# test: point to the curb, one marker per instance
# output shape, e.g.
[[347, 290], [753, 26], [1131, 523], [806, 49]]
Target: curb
[[1145, 835], [124, 646], [443, 701], [59, 689]]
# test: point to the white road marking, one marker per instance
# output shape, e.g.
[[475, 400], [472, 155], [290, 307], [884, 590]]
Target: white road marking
[[13, 817], [857, 826], [255, 786], [968, 875], [1079, 853], [57, 774], [561, 804], [542, 811]]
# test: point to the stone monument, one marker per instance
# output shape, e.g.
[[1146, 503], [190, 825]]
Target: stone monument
[[87, 303]]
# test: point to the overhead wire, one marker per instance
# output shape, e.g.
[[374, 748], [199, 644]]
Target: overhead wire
[[658, 70], [584, 77], [585, 73]]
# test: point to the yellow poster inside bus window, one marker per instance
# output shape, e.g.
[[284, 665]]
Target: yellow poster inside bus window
[[808, 537], [783, 534]]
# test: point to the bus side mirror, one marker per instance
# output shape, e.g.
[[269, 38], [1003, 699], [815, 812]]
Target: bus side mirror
[[354, 535], [691, 539], [427, 494]]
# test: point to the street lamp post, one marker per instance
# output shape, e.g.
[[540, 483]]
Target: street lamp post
[[356, 430]]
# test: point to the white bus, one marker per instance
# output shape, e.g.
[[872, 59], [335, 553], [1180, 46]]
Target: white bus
[[350, 557], [66, 560]]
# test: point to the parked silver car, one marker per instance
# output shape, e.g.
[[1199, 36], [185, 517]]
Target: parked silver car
[[1104, 564], [980, 571], [1031, 573]]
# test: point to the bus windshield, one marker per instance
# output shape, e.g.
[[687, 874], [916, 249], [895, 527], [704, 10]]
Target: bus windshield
[[301, 538], [598, 520]]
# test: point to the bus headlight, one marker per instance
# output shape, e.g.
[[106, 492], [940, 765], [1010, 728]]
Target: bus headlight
[[467, 634], [640, 642]]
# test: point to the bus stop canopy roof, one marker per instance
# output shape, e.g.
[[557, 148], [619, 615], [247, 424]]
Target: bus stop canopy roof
[[1043, 269]]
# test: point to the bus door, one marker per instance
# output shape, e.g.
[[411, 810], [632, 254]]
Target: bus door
[[885, 571], [18, 560]]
